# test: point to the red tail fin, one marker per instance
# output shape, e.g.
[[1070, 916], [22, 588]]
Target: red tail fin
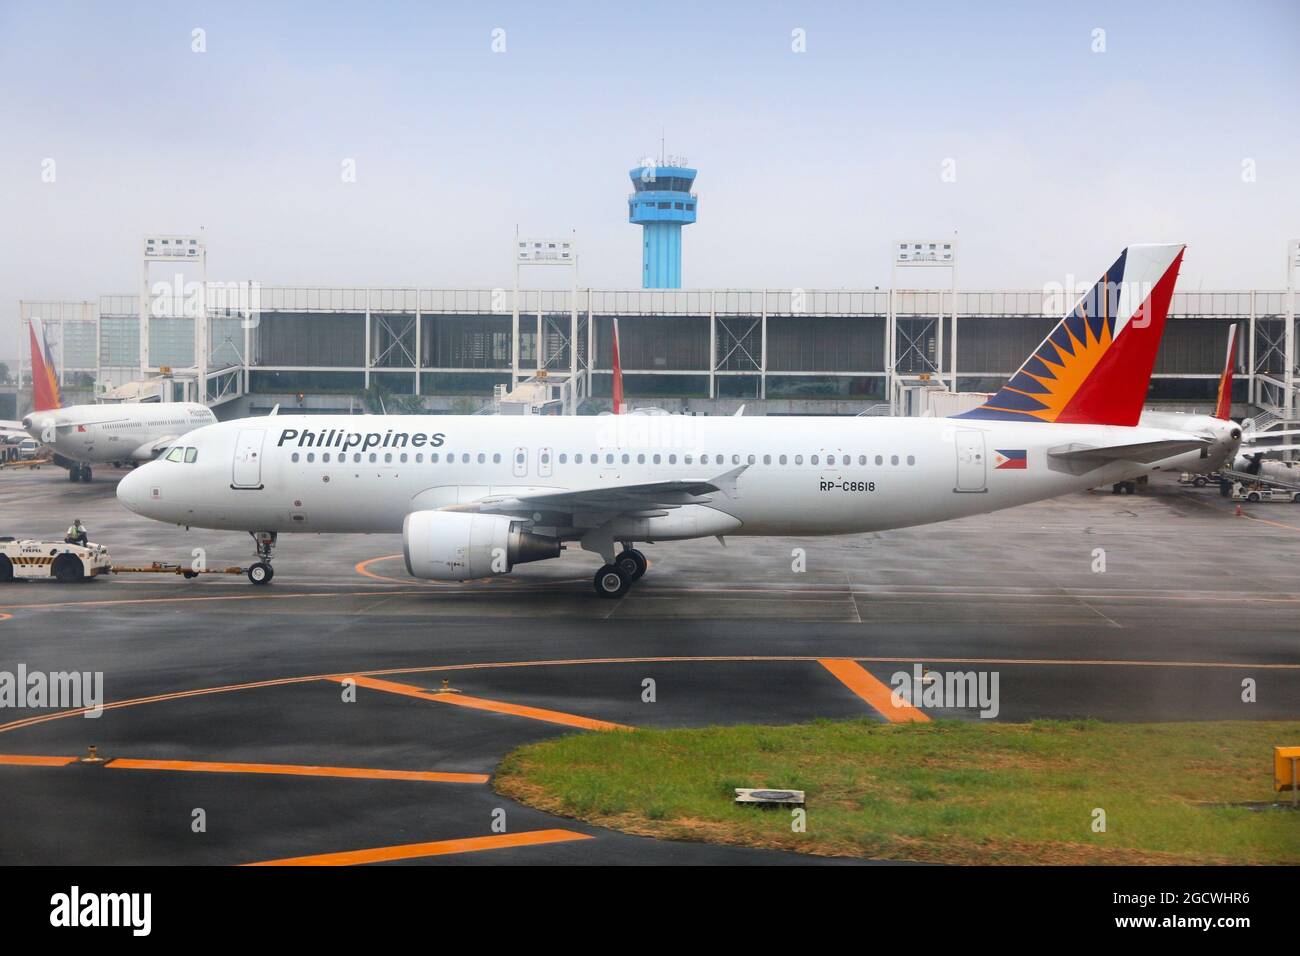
[[45, 381], [1223, 408], [1095, 366], [618, 376]]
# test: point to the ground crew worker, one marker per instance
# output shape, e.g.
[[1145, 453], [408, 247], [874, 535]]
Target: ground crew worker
[[77, 533]]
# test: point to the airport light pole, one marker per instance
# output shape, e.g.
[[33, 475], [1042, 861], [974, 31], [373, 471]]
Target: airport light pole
[[547, 252], [1292, 264], [921, 253]]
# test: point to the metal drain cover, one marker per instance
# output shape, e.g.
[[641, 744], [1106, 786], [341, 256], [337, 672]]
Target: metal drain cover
[[782, 797]]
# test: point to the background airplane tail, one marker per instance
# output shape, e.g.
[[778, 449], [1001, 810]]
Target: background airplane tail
[[619, 406], [1223, 407], [1095, 365], [45, 380]]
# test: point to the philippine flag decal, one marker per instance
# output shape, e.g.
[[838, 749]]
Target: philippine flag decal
[[1009, 459]]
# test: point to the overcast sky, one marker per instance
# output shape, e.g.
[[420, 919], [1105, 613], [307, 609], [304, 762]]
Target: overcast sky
[[1184, 128]]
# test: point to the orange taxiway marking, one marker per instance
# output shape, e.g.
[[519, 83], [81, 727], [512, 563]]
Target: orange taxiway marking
[[863, 683], [593, 661], [480, 703], [297, 770], [414, 851], [211, 766], [31, 760]]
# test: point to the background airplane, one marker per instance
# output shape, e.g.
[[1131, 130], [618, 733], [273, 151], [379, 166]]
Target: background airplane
[[80, 435]]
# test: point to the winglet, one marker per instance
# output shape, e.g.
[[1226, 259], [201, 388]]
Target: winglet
[[1223, 407]]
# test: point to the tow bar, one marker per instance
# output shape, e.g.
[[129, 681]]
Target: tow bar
[[162, 567]]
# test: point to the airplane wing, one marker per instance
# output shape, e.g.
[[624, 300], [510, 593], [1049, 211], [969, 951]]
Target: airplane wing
[[152, 449], [1079, 458], [616, 499]]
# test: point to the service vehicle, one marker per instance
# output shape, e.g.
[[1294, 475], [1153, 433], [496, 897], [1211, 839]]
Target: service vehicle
[[27, 559]]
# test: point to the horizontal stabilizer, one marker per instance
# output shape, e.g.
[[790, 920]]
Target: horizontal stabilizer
[[1080, 458]]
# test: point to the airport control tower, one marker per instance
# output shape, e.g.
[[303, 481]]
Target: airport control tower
[[661, 205]]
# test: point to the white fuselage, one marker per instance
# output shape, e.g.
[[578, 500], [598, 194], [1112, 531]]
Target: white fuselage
[[125, 432], [803, 476]]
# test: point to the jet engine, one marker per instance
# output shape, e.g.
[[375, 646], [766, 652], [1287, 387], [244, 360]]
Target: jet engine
[[458, 546]]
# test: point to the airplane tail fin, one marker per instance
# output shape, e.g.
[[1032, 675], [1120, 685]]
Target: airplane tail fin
[[1223, 407], [619, 407], [1095, 366], [45, 380]]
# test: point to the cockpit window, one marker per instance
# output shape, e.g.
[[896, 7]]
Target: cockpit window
[[176, 454], [191, 455]]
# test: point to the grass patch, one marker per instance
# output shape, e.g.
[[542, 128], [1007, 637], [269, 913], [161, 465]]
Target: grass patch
[[947, 791]]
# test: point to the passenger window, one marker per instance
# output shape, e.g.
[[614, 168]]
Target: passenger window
[[830, 460], [687, 459], [419, 457], [577, 459], [496, 459], [609, 459], [402, 458], [879, 460], [191, 455], [782, 459], [325, 458], [640, 459], [433, 458], [911, 459], [813, 460], [798, 459], [704, 460], [311, 456], [374, 457], [735, 459], [767, 459], [626, 458], [564, 458], [893, 459], [862, 459], [356, 457], [293, 457], [672, 459], [482, 458], [752, 459], [464, 458], [657, 459]]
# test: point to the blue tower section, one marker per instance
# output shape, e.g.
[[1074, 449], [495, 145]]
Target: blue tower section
[[661, 205]]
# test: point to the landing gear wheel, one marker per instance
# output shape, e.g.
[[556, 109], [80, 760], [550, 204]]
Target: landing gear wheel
[[632, 563], [85, 473], [74, 473], [260, 572], [611, 582]]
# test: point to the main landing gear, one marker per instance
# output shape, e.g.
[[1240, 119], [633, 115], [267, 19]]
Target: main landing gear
[[79, 472], [260, 571], [613, 580]]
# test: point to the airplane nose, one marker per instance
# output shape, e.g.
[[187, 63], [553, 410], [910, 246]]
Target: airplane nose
[[133, 490]]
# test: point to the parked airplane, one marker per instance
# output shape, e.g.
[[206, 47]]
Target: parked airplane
[[1222, 434], [474, 497], [80, 435]]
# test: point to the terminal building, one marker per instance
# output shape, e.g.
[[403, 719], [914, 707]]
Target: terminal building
[[706, 351]]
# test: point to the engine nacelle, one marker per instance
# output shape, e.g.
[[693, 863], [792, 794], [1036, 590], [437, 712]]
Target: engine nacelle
[[459, 546]]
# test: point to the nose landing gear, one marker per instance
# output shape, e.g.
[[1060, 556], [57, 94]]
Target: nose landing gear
[[261, 572]]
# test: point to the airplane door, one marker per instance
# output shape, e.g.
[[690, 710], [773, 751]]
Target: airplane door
[[520, 462], [248, 459], [970, 461], [544, 462]]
